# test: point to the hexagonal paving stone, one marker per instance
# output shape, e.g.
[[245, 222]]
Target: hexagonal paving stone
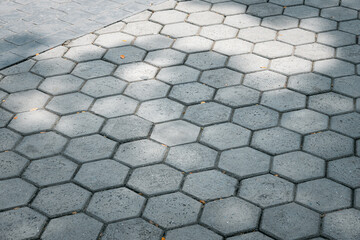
[[287, 2], [160, 110], [142, 28], [283, 100], [276, 140], [339, 13], [20, 82], [8, 139], [207, 113], [100, 87], [191, 157], [351, 4], [199, 186], [193, 6], [126, 54], [218, 32], [172, 210], [165, 57], [90, 148], [41, 145], [127, 128], [93, 69], [331, 103], [342, 224], [139, 153], [304, 121], [78, 226], [334, 68], [296, 36], [346, 171], [61, 84], [116, 204], [50, 170], [347, 124], [155, 179], [257, 34], [237, 96], [264, 80], [301, 11], [132, 229], [349, 53], [309, 83], [192, 93], [175, 132], [357, 198], [11, 164], [242, 21], [192, 232], [290, 221], [230, 215], [255, 117], [114, 106], [21, 223], [232, 47], [205, 18], [34, 121], [85, 53], [153, 42], [348, 85], [280, 22], [323, 195], [5, 117], [168, 16], [350, 26], [206, 60], [192, 44], [69, 103], [146, 90], [61, 199], [178, 74], [111, 40], [318, 24], [336, 38], [222, 77], [264, 9], [101, 174], [54, 66], [225, 136], [328, 145], [248, 63], [314, 51], [291, 65], [135, 71], [15, 192], [25, 101], [298, 166], [178, 30], [322, 4], [273, 49]]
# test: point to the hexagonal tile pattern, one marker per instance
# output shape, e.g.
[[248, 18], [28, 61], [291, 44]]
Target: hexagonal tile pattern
[[54, 66], [126, 54], [178, 74], [334, 67], [114, 106], [283, 100], [345, 170], [331, 103], [25, 101], [232, 47], [257, 34], [347, 124], [146, 90], [237, 96], [334, 224], [15, 192], [205, 18], [165, 57], [304, 121], [314, 51], [20, 82], [160, 110], [264, 80], [11, 164], [248, 63], [291, 65], [93, 69], [206, 60], [135, 71], [207, 113], [273, 49], [192, 44], [69, 103], [255, 117], [348, 85], [153, 42], [191, 232], [61, 84], [309, 83], [190, 93]]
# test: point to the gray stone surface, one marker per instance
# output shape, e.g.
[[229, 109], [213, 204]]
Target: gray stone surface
[[346, 171], [207, 113], [222, 77], [160, 110], [342, 224], [69, 103], [61, 84], [34, 121], [191, 232], [331, 103], [25, 101], [255, 117], [15, 192], [309, 83], [190, 93], [147, 90], [304, 121], [114, 106], [283, 100], [11, 164], [104, 86], [237, 96]]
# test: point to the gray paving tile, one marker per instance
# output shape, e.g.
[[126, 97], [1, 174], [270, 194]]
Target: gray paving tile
[[331, 103], [314, 51], [301, 11], [153, 42], [248, 63], [255, 117], [15, 192], [190, 232], [347, 124], [114, 106], [11, 164], [61, 84], [207, 113], [168, 16], [318, 24], [242, 21], [103, 86], [25, 101], [336, 38], [69, 103], [178, 30], [160, 110], [54, 66], [33, 122], [257, 34], [142, 28], [283, 100], [237, 96], [264, 9], [93, 69], [222, 77], [342, 224], [304, 121], [8, 139], [192, 44], [178, 74], [251, 236], [116, 39], [265, 80], [165, 57], [20, 82], [193, 6], [345, 170], [191, 93], [135, 71]]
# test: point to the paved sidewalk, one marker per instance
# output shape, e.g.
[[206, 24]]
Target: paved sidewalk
[[28, 27], [203, 120]]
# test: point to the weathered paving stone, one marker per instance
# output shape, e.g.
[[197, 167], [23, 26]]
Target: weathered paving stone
[[50, 170], [79, 226], [301, 11], [251, 236], [287, 2], [314, 51], [347, 124], [206, 60], [237, 96], [228, 8], [224, 136], [191, 93], [321, 4], [349, 53], [346, 171], [19, 68], [21, 223], [15, 192], [207, 113], [61, 84], [69, 103], [25, 101], [339, 13], [334, 67], [318, 24], [348, 85], [5, 117], [248, 63], [328, 145], [192, 44], [280, 22], [273, 49], [140, 153], [104, 86], [160, 110], [147, 90], [168, 16], [255, 117], [342, 224], [304, 121], [218, 32], [283, 100], [265, 80], [116, 39], [199, 186], [142, 28], [125, 54], [93, 147], [135, 71], [205, 18], [222, 77], [52, 67], [114, 106], [230, 215], [290, 221], [191, 157], [155, 179], [276, 140], [244, 162], [153, 42], [336, 38], [296, 36], [178, 74], [41, 145], [323, 195], [178, 30], [350, 26], [266, 190], [257, 34], [242, 21], [172, 210], [61, 199], [34, 121], [231, 47], [165, 57], [93, 69], [264, 9], [101, 174], [309, 83], [193, 6], [132, 229], [127, 128], [357, 198], [331, 103], [298, 166], [192, 232], [20, 82], [85, 53], [116, 204], [8, 139], [291, 65], [11, 164]]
